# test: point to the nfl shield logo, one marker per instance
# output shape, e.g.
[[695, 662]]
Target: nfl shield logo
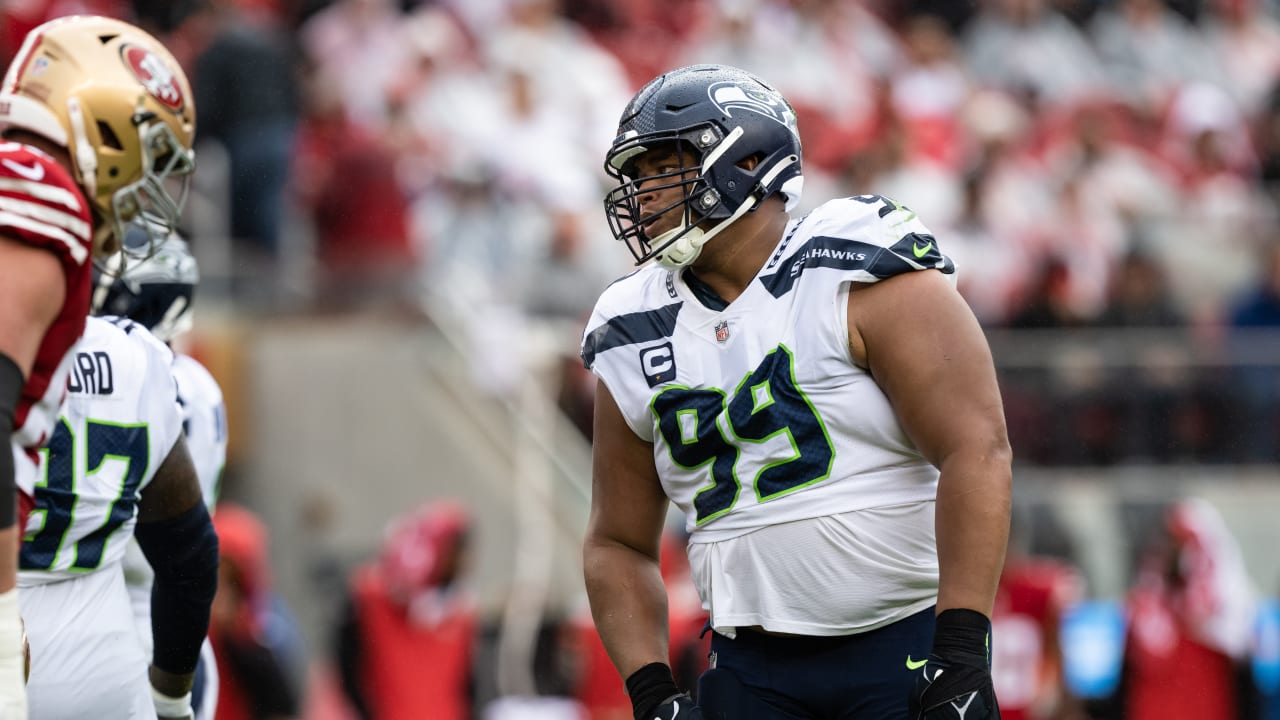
[[722, 331]]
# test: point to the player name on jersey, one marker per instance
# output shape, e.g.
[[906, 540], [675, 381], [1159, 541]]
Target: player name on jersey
[[91, 374]]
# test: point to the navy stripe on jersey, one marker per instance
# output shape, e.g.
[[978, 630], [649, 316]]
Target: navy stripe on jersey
[[924, 248], [630, 329], [845, 254]]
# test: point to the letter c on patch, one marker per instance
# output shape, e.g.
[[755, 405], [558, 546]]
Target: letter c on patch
[[658, 364]]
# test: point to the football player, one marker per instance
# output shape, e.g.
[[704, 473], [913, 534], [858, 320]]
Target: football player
[[158, 292], [116, 467], [1034, 594], [96, 125], [817, 398]]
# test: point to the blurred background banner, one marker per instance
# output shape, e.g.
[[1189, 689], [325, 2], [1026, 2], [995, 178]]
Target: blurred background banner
[[1093, 644], [397, 216]]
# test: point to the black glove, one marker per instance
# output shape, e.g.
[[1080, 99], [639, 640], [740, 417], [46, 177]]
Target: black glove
[[955, 683], [655, 696]]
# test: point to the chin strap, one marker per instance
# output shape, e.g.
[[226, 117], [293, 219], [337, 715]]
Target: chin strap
[[690, 239], [687, 241]]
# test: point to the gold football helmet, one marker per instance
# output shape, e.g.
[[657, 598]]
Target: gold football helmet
[[115, 98]]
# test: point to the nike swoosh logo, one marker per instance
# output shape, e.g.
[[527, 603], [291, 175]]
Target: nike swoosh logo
[[34, 173], [915, 664], [962, 710], [921, 250]]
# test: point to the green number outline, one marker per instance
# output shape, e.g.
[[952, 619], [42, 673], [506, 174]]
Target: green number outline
[[791, 438], [131, 480], [737, 440]]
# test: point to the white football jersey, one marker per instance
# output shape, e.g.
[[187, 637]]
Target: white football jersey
[[757, 414], [204, 421], [118, 425]]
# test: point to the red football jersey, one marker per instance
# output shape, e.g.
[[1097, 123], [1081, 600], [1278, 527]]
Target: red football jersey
[[41, 205], [1169, 672], [1025, 665]]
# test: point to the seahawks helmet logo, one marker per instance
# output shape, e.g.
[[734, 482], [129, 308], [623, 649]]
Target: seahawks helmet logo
[[731, 96]]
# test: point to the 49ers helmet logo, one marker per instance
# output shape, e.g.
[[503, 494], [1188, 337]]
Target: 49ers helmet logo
[[155, 75]]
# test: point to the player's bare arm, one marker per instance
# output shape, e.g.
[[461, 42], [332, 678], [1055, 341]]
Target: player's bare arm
[[175, 489], [926, 350], [621, 550], [31, 295], [176, 535]]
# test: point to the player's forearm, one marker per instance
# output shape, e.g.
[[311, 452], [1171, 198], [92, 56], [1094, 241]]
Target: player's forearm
[[972, 516], [628, 603]]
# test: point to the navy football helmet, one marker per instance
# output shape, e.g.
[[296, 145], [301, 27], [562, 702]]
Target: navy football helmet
[[723, 116], [155, 292]]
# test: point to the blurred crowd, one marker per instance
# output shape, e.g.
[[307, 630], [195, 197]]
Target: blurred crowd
[[1087, 163]]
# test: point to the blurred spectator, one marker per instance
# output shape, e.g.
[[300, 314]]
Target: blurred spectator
[[563, 283], [1257, 384], [1149, 51], [1091, 243], [571, 78], [643, 34], [1211, 246], [472, 226], [246, 91], [358, 47], [1245, 39], [935, 192], [538, 160], [1259, 305], [445, 109], [1111, 190], [1139, 296], [1027, 48], [1205, 135], [929, 89], [406, 643], [971, 241], [255, 638], [1026, 662], [1190, 617], [1015, 198], [346, 182], [1048, 304]]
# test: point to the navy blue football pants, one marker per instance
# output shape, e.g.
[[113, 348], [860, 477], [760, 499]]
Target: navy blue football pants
[[850, 677]]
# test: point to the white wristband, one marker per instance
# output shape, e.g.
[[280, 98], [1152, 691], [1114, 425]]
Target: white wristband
[[175, 707], [13, 691]]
